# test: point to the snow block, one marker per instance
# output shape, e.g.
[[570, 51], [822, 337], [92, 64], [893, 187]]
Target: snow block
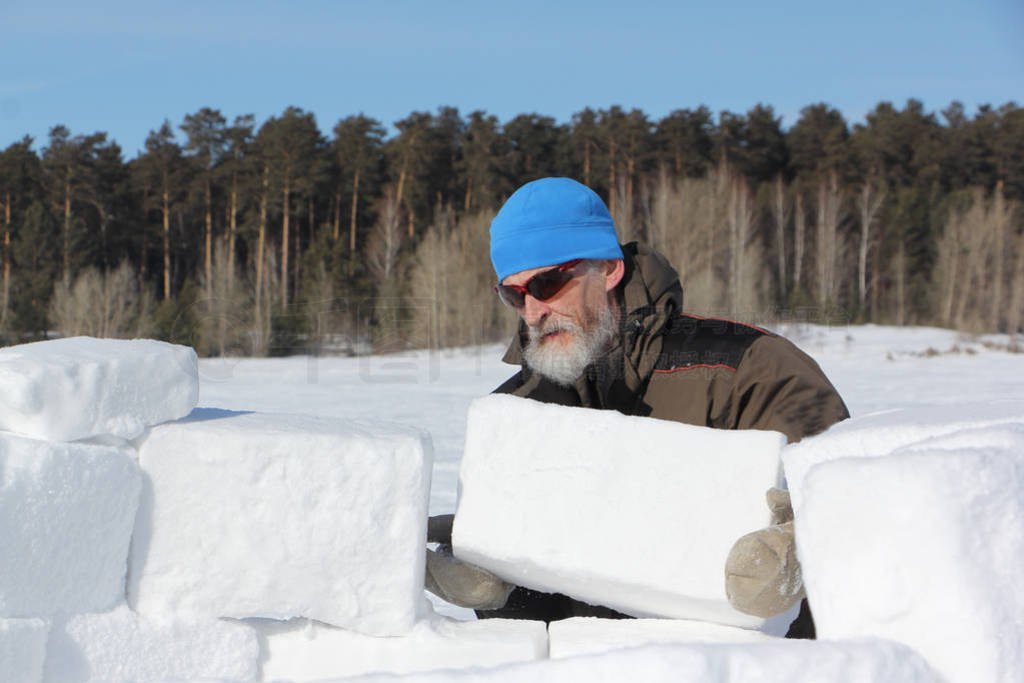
[[122, 646], [632, 513], [22, 649], [303, 650], [66, 517], [923, 547], [784, 661], [263, 515], [590, 635], [881, 433], [76, 388]]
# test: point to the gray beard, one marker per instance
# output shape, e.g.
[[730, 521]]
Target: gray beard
[[563, 364]]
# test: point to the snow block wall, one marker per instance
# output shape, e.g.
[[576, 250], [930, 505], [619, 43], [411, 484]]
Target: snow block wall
[[259, 515], [22, 649], [66, 516], [120, 645], [302, 650], [632, 513], [924, 546], [69, 389], [782, 661], [590, 635]]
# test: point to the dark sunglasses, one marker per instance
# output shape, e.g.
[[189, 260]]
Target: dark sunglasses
[[541, 286]]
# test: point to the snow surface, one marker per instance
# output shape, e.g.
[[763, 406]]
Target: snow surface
[[305, 650], [590, 635], [785, 661], [629, 512], [925, 547], [272, 515], [22, 649], [79, 387], [66, 517], [121, 645]]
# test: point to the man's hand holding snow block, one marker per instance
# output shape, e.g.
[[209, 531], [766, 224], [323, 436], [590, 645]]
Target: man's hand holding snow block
[[631, 513], [260, 515], [66, 517], [76, 388], [938, 533]]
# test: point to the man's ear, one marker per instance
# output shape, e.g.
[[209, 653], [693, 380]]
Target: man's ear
[[613, 273]]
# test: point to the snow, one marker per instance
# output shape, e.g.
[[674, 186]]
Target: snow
[[633, 513], [120, 645], [590, 635], [789, 661], [271, 515], [939, 376], [79, 387], [304, 650], [881, 433], [66, 517], [923, 547], [22, 649]]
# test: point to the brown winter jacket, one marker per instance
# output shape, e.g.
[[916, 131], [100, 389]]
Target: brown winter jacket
[[674, 366]]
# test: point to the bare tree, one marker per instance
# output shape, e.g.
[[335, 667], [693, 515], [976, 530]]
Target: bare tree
[[868, 203], [799, 239], [103, 304], [781, 215], [740, 219], [829, 215]]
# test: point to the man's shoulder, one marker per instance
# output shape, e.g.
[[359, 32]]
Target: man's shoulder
[[693, 341]]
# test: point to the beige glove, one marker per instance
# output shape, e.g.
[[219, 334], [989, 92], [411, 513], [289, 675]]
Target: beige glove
[[762, 574], [458, 582]]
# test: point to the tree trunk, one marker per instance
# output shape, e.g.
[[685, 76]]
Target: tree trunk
[[352, 216], [286, 198], [208, 241], [868, 206], [165, 206], [998, 221], [232, 228], [799, 237], [901, 288], [261, 245], [336, 232], [7, 257], [779, 213], [66, 262]]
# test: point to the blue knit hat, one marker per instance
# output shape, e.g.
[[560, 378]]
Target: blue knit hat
[[551, 221]]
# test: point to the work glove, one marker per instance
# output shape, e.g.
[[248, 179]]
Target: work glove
[[459, 583], [762, 574]]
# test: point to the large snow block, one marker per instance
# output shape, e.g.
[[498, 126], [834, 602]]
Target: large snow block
[[632, 513], [122, 646], [784, 661], [924, 548], [66, 517], [590, 635], [304, 650], [75, 388], [262, 515], [22, 649], [881, 433]]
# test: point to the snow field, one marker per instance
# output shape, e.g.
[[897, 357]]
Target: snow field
[[631, 513], [923, 546], [66, 516], [781, 661], [262, 515], [302, 650], [75, 388], [22, 649]]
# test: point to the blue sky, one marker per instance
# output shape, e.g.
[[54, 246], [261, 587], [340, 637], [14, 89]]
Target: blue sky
[[124, 66]]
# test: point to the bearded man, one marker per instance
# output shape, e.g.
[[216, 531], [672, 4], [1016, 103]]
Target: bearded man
[[602, 326]]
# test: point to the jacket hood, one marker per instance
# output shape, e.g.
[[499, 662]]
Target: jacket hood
[[649, 296]]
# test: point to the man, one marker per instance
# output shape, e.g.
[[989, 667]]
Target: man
[[602, 326]]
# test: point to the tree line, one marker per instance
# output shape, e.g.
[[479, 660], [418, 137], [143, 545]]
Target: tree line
[[252, 239]]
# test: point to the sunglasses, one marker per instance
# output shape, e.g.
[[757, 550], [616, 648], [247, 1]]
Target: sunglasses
[[541, 286]]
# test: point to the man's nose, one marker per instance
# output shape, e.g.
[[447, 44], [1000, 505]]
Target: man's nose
[[534, 311]]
